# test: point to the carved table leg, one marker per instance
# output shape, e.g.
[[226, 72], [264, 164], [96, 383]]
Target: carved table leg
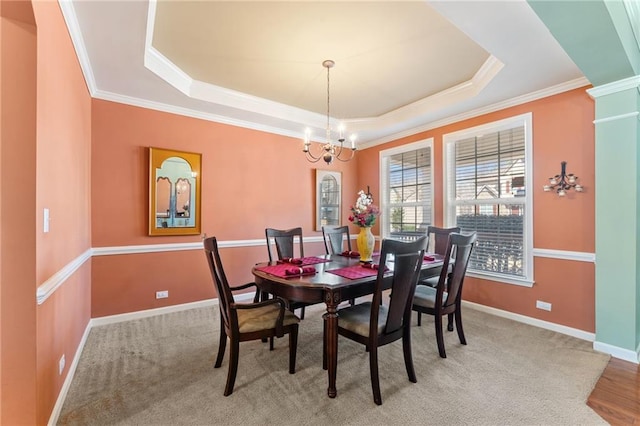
[[332, 300]]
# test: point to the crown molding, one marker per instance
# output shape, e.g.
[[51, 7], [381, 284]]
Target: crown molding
[[71, 19], [178, 79], [187, 112], [615, 87], [460, 92], [529, 97]]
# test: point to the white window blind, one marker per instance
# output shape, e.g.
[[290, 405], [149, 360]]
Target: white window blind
[[486, 185], [406, 189]]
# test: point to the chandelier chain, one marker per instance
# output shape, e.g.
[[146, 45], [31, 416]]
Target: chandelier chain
[[329, 150]]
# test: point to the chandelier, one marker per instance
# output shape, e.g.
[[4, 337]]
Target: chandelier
[[563, 182], [329, 150]]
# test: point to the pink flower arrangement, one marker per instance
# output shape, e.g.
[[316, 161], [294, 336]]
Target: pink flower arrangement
[[364, 213]]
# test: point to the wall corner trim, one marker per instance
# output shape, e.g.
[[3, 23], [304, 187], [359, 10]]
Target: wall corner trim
[[48, 287]]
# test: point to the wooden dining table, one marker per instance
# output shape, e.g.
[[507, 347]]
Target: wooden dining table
[[327, 287]]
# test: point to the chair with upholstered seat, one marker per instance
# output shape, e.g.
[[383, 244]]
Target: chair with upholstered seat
[[446, 297], [285, 248], [374, 324], [242, 322]]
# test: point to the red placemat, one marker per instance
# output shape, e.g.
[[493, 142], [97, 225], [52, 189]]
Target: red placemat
[[280, 270], [311, 260], [432, 257], [354, 272], [348, 253]]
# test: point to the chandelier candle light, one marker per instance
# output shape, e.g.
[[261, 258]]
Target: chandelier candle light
[[563, 182], [329, 151]]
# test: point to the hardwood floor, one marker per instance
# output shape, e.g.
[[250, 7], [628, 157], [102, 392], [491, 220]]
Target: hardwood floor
[[616, 395]]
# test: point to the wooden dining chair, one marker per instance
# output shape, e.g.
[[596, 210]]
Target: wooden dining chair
[[438, 239], [243, 322], [284, 240], [446, 297], [284, 247], [334, 238], [374, 324]]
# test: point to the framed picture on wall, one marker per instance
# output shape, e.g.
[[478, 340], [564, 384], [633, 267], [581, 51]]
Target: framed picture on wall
[[174, 192], [328, 198]]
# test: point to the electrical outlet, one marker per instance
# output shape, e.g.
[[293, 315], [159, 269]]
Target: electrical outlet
[[162, 294], [543, 305], [61, 365]]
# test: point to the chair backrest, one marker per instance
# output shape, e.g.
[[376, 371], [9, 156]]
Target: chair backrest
[[406, 235], [440, 239], [333, 237], [408, 258], [225, 296], [284, 242], [461, 245]]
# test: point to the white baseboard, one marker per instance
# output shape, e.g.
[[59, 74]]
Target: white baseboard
[[57, 408], [616, 352], [112, 319], [574, 332]]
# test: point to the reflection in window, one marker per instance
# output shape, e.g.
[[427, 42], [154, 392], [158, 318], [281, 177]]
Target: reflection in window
[[329, 201], [163, 200], [183, 197]]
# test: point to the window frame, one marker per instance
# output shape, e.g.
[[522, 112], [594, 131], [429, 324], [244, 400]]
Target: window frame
[[448, 198], [385, 155]]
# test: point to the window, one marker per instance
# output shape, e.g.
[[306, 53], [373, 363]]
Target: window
[[406, 189], [328, 198], [488, 190]]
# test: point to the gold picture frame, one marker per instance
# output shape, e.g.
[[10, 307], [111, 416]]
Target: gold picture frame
[[174, 192]]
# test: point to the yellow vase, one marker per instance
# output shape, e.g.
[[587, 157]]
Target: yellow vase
[[366, 241]]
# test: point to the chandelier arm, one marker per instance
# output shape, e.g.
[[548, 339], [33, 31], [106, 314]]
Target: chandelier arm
[[312, 158], [353, 152]]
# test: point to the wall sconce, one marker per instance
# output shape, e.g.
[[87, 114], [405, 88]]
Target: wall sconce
[[563, 182]]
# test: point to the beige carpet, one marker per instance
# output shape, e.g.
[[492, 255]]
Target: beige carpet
[[159, 371]]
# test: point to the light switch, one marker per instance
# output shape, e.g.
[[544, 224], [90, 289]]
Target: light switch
[[46, 220]]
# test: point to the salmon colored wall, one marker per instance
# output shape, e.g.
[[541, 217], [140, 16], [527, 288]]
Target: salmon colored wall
[[562, 130], [63, 186], [61, 323], [17, 214], [250, 180]]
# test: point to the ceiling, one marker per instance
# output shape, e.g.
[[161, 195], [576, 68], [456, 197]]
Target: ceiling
[[400, 66]]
